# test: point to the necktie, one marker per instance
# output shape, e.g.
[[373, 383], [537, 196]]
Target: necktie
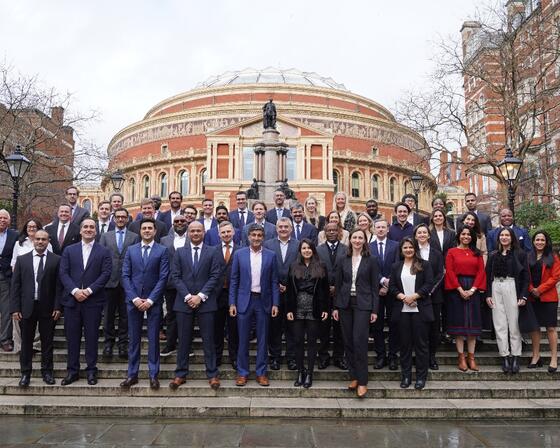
[[120, 240], [298, 231], [227, 254], [61, 236], [195, 262], [72, 215], [242, 219], [333, 252], [40, 271], [381, 254], [103, 228], [279, 212], [145, 254]]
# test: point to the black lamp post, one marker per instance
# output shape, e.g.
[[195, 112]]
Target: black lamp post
[[117, 180], [510, 167], [18, 165], [416, 180]]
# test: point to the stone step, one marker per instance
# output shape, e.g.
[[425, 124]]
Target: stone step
[[209, 407]]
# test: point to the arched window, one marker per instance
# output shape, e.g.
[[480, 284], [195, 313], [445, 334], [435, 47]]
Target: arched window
[[355, 185], [132, 189], [146, 186], [375, 186], [407, 187], [184, 182], [86, 203], [392, 189], [336, 180], [203, 178], [163, 185]]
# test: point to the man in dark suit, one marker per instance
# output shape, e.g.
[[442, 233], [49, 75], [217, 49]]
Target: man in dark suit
[[8, 238], [285, 249], [148, 211], [330, 253], [401, 226], [117, 241], [78, 214], [175, 201], [225, 252], [483, 218], [144, 276], [61, 231], [35, 300], [414, 218], [302, 229], [196, 273], [279, 210], [104, 222], [156, 200], [387, 253], [241, 216], [253, 296], [85, 268], [506, 220], [259, 210], [212, 237], [208, 219]]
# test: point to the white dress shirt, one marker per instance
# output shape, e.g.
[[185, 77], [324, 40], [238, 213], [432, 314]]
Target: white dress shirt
[[256, 264], [149, 251], [201, 295], [26, 247], [60, 224], [86, 252], [283, 248], [179, 240], [36, 261], [425, 252], [409, 283], [208, 223]]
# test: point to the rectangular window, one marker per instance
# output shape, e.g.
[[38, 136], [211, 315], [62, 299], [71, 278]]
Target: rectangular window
[[291, 164], [248, 163]]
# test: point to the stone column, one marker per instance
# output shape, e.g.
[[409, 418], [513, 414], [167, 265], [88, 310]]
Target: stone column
[[272, 151]]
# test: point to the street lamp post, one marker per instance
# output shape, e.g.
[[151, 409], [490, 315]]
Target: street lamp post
[[18, 165], [416, 180], [509, 168], [117, 179]]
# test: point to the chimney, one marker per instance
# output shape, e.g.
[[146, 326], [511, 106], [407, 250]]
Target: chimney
[[468, 31], [57, 115]]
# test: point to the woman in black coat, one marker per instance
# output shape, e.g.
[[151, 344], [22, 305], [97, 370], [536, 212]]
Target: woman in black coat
[[307, 305], [356, 303], [410, 283]]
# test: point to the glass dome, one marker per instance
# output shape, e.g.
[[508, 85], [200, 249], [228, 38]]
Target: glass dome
[[271, 75]]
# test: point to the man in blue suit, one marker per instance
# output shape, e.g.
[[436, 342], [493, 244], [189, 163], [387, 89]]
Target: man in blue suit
[[279, 210], [241, 216], [259, 210], [104, 221], [302, 229], [144, 276], [212, 237], [195, 273], [253, 295], [208, 219], [506, 220], [175, 201], [85, 268], [387, 252]]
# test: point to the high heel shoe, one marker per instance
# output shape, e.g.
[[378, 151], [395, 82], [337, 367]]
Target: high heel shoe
[[534, 365], [300, 378], [552, 369]]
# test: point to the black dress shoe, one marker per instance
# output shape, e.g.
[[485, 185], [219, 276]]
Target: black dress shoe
[[69, 379], [552, 369], [393, 363], [405, 382], [129, 382], [341, 364], [292, 365], [308, 380], [434, 364], [234, 365], [25, 380], [274, 364], [531, 365], [515, 364], [154, 383], [380, 362], [300, 378], [506, 364], [123, 352], [92, 379], [108, 351], [324, 363], [48, 378], [419, 385]]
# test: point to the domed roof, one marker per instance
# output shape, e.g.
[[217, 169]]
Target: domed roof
[[271, 75]]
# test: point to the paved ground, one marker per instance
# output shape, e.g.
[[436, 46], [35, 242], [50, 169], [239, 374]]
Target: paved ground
[[103, 433]]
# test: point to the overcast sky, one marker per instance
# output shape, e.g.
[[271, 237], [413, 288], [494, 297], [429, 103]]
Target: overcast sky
[[121, 57]]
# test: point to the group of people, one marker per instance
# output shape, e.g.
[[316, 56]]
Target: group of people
[[285, 273]]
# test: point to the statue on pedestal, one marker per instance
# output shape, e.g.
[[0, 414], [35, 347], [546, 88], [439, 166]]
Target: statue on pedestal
[[288, 192], [253, 191], [269, 115]]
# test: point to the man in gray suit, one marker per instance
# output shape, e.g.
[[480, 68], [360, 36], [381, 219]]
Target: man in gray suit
[[117, 241], [78, 213]]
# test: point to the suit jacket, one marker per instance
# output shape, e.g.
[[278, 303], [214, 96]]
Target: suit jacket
[[212, 237], [168, 242], [320, 295], [241, 277], [23, 286], [79, 215], [307, 231], [145, 281], [422, 286], [272, 216], [390, 256], [109, 240], [161, 229], [291, 255], [549, 278], [108, 228], [235, 219], [324, 252], [7, 252], [225, 274], [521, 276], [485, 222], [367, 284], [204, 279], [417, 218], [214, 222], [165, 217], [449, 240], [269, 233], [72, 236], [96, 274], [436, 262], [521, 234]]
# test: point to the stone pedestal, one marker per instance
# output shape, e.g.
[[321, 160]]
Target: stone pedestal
[[270, 153]]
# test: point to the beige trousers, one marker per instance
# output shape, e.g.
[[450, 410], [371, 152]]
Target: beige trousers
[[505, 315]]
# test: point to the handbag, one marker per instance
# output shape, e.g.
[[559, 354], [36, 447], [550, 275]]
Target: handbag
[[527, 318]]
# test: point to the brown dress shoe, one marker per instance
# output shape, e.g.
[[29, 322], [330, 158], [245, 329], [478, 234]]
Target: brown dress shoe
[[214, 383], [471, 362], [361, 391], [241, 381], [353, 385], [462, 363], [177, 381], [263, 380]]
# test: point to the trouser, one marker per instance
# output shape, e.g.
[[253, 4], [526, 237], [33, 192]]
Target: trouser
[[505, 315], [6, 325], [414, 334], [76, 319], [255, 312], [185, 326], [170, 319], [221, 321], [384, 315], [279, 325], [301, 329], [135, 321], [355, 332], [46, 332], [116, 304], [434, 332], [325, 339]]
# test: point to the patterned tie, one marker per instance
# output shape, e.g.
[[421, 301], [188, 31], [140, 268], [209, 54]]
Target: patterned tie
[[40, 271], [279, 213], [120, 240], [61, 236], [145, 254], [195, 262], [381, 254]]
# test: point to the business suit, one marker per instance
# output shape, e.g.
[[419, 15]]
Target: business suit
[[390, 256], [99, 230], [449, 240], [272, 215], [84, 315], [280, 324], [116, 302], [6, 325], [212, 237], [307, 231], [417, 218], [253, 306], [414, 326], [78, 214], [72, 236], [269, 232], [165, 217], [36, 311], [214, 223], [190, 279], [235, 218], [354, 311], [522, 236], [331, 260], [161, 229], [144, 280], [437, 263]]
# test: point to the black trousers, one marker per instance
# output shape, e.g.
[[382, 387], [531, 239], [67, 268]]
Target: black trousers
[[116, 304], [414, 335], [325, 339], [302, 328], [185, 326], [435, 334], [384, 316], [223, 320], [46, 332], [170, 319], [355, 332], [280, 325]]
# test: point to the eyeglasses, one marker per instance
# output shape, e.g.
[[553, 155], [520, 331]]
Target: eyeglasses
[[180, 220]]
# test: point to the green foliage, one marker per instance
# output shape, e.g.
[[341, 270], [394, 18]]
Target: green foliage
[[552, 228], [531, 214], [5, 204]]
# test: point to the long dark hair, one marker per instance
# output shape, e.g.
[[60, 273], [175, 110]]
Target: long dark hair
[[316, 267], [474, 238], [476, 222], [514, 242], [416, 259], [23, 235], [548, 256], [365, 248]]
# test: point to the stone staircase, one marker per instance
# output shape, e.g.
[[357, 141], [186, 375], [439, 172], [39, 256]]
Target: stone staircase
[[449, 394]]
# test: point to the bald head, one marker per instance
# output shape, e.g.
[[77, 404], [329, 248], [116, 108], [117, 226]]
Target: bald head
[[196, 232]]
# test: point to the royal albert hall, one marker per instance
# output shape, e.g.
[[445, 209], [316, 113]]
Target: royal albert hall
[[201, 143]]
